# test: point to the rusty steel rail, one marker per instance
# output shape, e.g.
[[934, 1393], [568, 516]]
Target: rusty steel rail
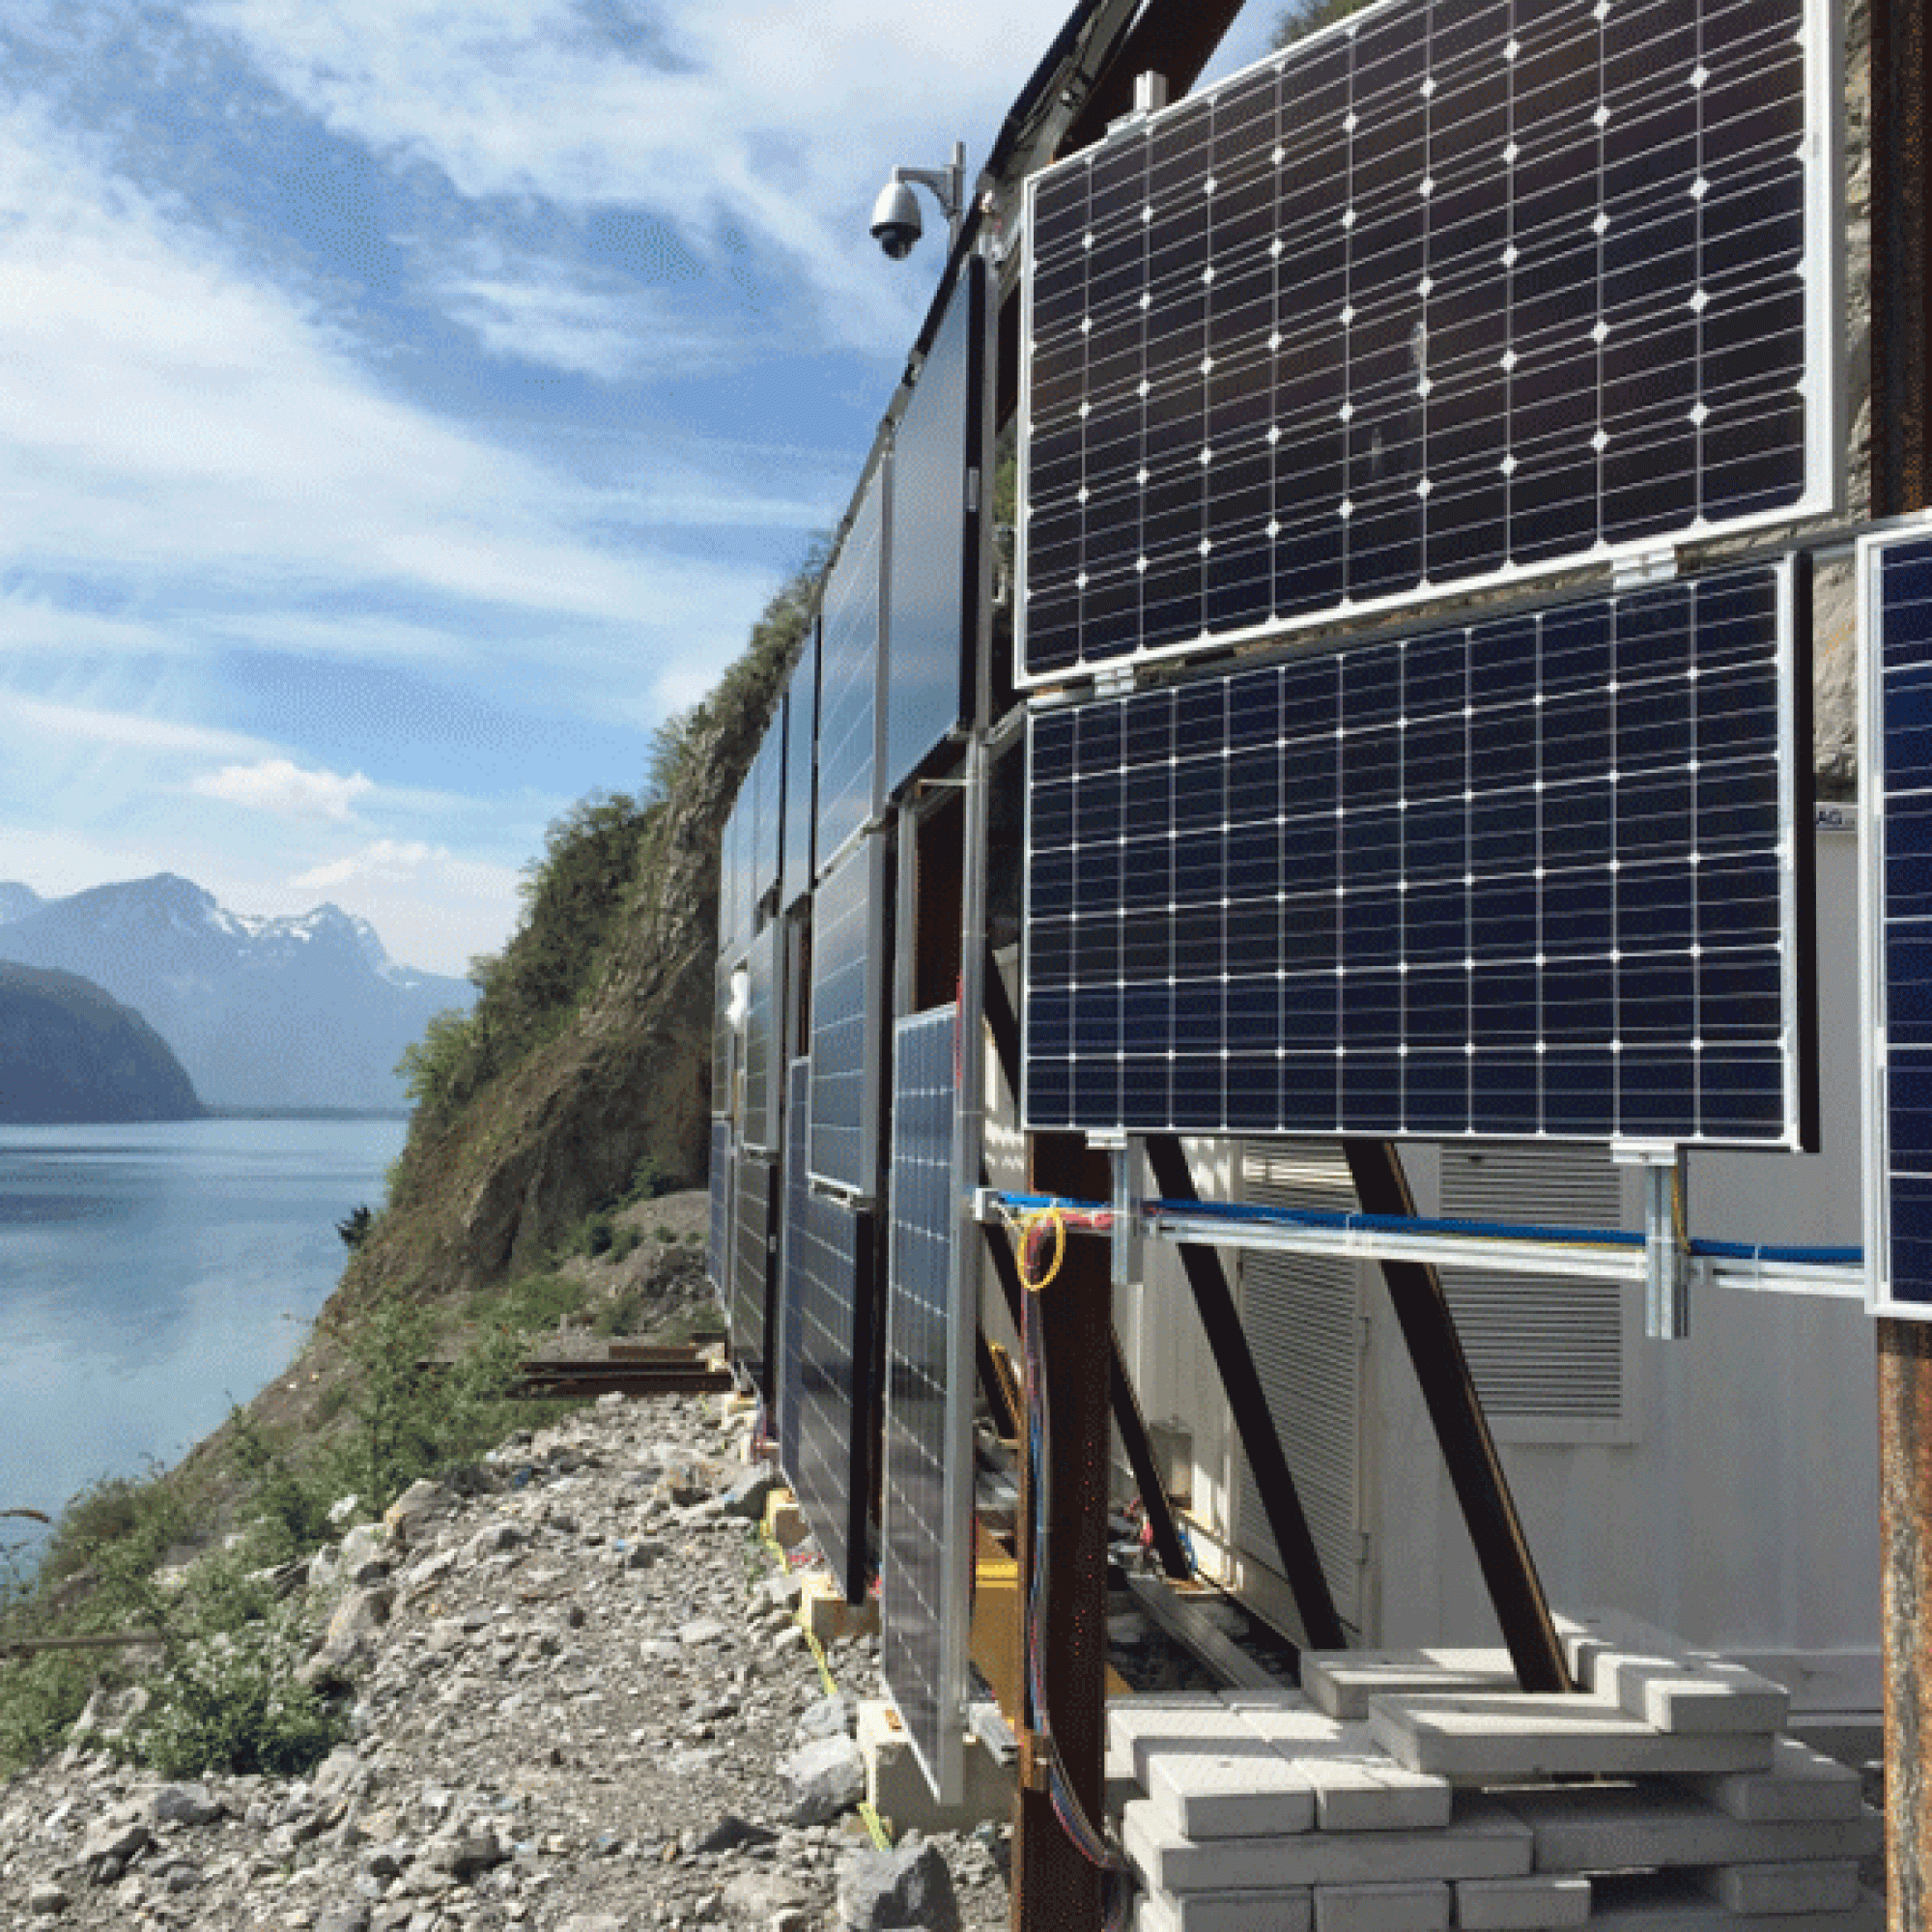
[[631, 1368]]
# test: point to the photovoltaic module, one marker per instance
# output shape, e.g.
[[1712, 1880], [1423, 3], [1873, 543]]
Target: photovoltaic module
[[848, 992], [827, 1400], [925, 1560], [763, 1047], [751, 1265], [1444, 295], [801, 797], [1895, 626], [718, 1254], [851, 644], [1535, 876]]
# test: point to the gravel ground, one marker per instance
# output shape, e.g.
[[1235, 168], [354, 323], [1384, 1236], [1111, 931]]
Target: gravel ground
[[579, 1701]]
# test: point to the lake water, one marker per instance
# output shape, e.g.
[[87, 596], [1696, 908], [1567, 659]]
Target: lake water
[[149, 1273]]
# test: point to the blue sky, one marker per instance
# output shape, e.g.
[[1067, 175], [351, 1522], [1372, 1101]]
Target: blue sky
[[404, 404]]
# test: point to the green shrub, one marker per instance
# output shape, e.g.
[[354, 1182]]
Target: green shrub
[[626, 1241]]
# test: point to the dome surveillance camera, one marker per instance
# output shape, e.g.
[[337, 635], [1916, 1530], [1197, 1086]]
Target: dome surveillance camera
[[895, 220]]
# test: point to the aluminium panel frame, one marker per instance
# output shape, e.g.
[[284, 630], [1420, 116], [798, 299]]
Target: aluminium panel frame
[[1823, 387], [1795, 877], [1879, 1293]]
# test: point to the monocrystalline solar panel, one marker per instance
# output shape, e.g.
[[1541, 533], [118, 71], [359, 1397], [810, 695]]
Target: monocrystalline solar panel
[[766, 784], [852, 641], [763, 1048], [752, 1266], [800, 772], [729, 878], [1895, 665], [849, 991], [1445, 294], [718, 1254], [1535, 876], [925, 1562], [792, 1224], [934, 576], [721, 1038], [828, 1402]]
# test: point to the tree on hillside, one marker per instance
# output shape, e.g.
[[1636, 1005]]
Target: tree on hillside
[[1305, 17]]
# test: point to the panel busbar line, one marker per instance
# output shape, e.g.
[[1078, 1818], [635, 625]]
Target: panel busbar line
[[926, 1561], [849, 991], [1895, 669], [852, 640], [1536, 876], [827, 1404], [934, 576], [1446, 295]]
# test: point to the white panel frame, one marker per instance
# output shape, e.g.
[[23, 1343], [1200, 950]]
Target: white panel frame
[[1824, 386]]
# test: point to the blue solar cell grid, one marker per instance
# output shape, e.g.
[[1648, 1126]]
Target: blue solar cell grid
[[848, 1018], [752, 1266], [801, 804], [852, 641], [827, 1404], [766, 784], [718, 1254], [1534, 877], [728, 878], [934, 574], [926, 1521], [763, 1046], [1898, 671], [1455, 292], [792, 1225]]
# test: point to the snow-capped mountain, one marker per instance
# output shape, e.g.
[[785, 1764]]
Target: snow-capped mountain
[[303, 1011], [16, 902]]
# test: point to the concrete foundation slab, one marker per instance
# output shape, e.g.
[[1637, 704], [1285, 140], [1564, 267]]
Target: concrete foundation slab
[[1671, 1902], [1802, 1783], [1789, 1887], [1341, 1682], [1539, 1903], [1627, 1825], [1230, 1795], [1418, 1907]]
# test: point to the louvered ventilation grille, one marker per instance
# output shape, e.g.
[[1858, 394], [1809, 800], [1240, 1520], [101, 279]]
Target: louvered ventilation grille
[[1543, 1349], [1303, 1324]]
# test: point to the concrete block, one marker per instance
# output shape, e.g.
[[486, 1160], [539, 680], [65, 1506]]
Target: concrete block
[[1802, 1784], [1612, 1827], [1146, 1728], [1230, 1795], [1536, 1904], [897, 1788], [1818, 1884], [828, 1616], [1672, 1902], [1667, 1683], [1479, 1739], [1485, 1843], [1275, 1911], [1358, 1787], [1420, 1906], [1341, 1682]]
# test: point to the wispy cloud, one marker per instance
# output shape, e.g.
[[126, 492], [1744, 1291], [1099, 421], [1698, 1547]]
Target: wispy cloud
[[53, 726], [281, 787]]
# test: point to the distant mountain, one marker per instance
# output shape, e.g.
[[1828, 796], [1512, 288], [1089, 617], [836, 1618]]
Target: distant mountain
[[16, 902], [68, 1052], [301, 1011]]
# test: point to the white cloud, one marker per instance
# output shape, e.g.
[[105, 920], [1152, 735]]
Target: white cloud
[[47, 724], [283, 787], [390, 861], [433, 909], [778, 122]]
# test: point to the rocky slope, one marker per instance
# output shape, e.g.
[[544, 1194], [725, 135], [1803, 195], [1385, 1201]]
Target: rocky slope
[[579, 1703], [302, 1011], [68, 1052]]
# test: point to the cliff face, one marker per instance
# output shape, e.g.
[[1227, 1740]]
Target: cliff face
[[68, 1052]]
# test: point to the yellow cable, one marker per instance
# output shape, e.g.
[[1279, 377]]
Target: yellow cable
[[876, 1826], [1050, 1213]]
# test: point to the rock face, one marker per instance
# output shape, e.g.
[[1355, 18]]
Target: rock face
[[531, 1745], [70, 1052], [307, 1012]]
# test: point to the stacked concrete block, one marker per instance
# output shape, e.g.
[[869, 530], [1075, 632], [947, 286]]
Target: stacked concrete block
[[1414, 1792]]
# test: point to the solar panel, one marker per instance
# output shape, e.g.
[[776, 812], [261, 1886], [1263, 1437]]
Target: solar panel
[[721, 1038], [718, 1254], [764, 1049], [1445, 294], [935, 577], [766, 784], [1895, 668], [925, 1560], [730, 925], [792, 1221], [800, 772], [828, 1401], [852, 641], [849, 991], [751, 1265], [1534, 876]]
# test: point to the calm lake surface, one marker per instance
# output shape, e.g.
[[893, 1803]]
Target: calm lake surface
[[149, 1273]]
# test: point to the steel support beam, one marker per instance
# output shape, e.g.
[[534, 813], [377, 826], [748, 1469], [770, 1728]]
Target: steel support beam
[[1475, 1470], [1901, 482], [1055, 1889], [1248, 1405]]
